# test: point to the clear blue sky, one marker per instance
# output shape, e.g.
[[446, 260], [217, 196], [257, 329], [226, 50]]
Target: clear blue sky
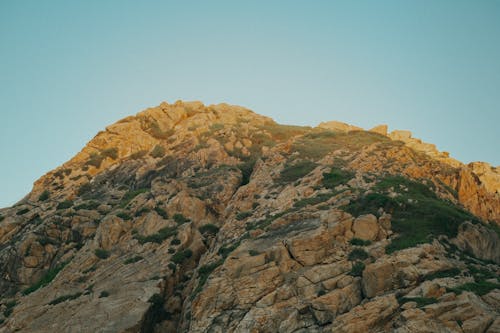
[[69, 68]]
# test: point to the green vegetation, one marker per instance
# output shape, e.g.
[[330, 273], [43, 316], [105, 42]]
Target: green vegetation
[[44, 240], [203, 274], [89, 205], [295, 171], [142, 211], [421, 301], [84, 189], [312, 200], [156, 311], [182, 256], [162, 212], [159, 237], [172, 266], [95, 160], [360, 242], [243, 215], [216, 127], [124, 216], [357, 269], [110, 152], [65, 298], [127, 197], [46, 279], [22, 211], [9, 307], [246, 169], [133, 260], [153, 128], [64, 204], [175, 241], [139, 154], [336, 177], [101, 253], [2, 218], [358, 254], [224, 251], [158, 151], [452, 272], [180, 219], [479, 288], [104, 293], [209, 229], [418, 215], [44, 196]]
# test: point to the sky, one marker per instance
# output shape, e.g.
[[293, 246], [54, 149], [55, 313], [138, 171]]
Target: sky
[[70, 68]]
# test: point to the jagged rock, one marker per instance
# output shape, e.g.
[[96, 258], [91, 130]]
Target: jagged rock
[[484, 243]]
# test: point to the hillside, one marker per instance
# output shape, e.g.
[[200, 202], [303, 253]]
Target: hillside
[[194, 218]]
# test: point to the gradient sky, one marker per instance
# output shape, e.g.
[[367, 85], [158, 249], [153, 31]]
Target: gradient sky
[[70, 68]]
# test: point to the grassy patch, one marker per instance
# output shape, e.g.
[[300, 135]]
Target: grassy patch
[[124, 216], [336, 177], [89, 205], [95, 160], [45, 280], [110, 152], [22, 211], [162, 212], [312, 200], [103, 294], [295, 171], [224, 251], [418, 215], [479, 288]]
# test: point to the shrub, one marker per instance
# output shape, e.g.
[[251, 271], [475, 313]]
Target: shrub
[[253, 253], [110, 152], [103, 293], [158, 151], [180, 219], [312, 200], [44, 196], [293, 172], [65, 298], [124, 216], [139, 154], [22, 211], [95, 160], [160, 211], [182, 256], [101, 253], [209, 229], [2, 218], [65, 204], [141, 211], [359, 242], [321, 292], [127, 197], [46, 279], [336, 177], [357, 269], [224, 251], [133, 260], [358, 254], [159, 237], [479, 288], [175, 241], [172, 266], [9, 307], [84, 189], [243, 215], [442, 274], [203, 274]]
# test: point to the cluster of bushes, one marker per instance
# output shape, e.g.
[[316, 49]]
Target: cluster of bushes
[[44, 196], [336, 177], [64, 204], [65, 298], [130, 195], [295, 171], [158, 237], [101, 253], [158, 151]]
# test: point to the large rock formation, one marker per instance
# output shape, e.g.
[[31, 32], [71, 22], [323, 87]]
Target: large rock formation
[[194, 218]]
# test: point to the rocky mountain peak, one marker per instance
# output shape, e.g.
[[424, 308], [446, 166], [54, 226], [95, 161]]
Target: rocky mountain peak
[[194, 218]]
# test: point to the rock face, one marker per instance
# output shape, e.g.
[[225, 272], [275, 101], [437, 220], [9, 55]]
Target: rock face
[[194, 218]]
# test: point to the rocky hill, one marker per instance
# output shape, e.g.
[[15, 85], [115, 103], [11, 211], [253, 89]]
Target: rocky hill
[[194, 218]]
